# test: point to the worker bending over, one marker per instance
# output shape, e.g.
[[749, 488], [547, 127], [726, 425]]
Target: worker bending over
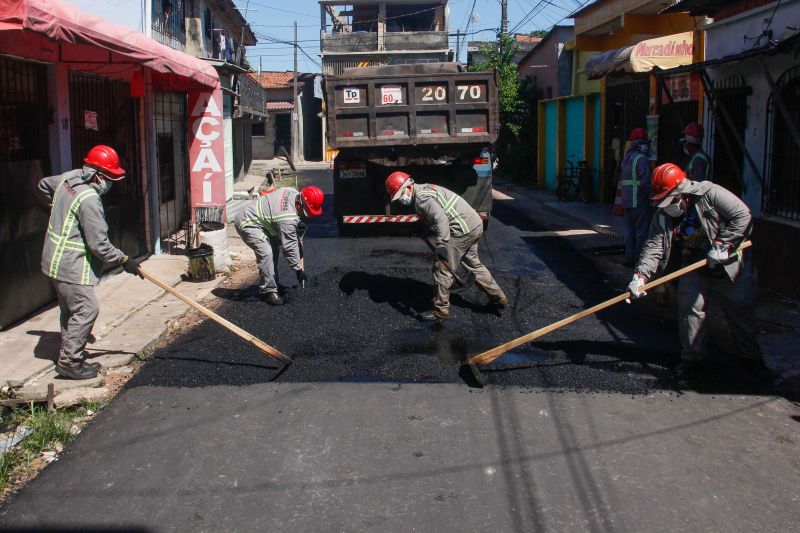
[[457, 228], [720, 225], [270, 223], [635, 184], [75, 249]]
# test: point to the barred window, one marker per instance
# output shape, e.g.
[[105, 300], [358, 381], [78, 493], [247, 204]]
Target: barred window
[[781, 194]]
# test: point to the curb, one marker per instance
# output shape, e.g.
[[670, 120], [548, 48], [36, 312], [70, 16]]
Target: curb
[[599, 228]]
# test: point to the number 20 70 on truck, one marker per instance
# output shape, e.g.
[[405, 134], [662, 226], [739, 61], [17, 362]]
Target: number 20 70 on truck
[[434, 121]]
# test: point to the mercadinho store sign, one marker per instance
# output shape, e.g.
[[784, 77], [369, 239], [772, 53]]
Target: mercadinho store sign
[[664, 52]]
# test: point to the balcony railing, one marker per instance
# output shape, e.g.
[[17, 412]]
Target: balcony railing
[[169, 27], [343, 43]]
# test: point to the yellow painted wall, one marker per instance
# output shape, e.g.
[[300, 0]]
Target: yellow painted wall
[[580, 85]]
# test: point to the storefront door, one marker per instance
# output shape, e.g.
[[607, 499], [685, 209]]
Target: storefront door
[[24, 161], [103, 112]]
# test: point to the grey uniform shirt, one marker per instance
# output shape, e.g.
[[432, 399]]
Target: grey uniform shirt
[[275, 213], [723, 217], [445, 212], [76, 244]]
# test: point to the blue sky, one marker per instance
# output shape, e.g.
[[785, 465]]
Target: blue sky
[[272, 21]]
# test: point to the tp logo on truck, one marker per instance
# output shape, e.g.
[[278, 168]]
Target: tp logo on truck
[[352, 96]]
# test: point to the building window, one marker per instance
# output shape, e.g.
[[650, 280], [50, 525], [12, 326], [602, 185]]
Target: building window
[[23, 124], [259, 129], [166, 166], [208, 25], [781, 194], [169, 25]]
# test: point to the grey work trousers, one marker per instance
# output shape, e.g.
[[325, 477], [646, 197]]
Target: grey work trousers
[[267, 250], [79, 310], [696, 291], [637, 228], [463, 249]]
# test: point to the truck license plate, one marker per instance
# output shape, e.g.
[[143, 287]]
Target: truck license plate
[[350, 173]]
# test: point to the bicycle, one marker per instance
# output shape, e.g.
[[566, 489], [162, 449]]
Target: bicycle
[[577, 179]]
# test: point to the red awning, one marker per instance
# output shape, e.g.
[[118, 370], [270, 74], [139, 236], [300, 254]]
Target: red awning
[[66, 25]]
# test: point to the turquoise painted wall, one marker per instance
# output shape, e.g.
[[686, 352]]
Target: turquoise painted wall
[[597, 137], [550, 137], [573, 114], [574, 137]]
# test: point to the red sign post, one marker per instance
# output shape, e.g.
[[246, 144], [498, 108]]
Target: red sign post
[[206, 151]]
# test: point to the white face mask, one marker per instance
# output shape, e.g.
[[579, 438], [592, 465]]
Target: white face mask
[[405, 199], [103, 187], [675, 210], [644, 148]]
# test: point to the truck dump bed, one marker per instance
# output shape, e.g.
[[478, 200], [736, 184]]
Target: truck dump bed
[[411, 105]]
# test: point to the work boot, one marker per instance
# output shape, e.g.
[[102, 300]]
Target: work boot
[[756, 369], [77, 371], [499, 303], [272, 298], [433, 316], [688, 368]]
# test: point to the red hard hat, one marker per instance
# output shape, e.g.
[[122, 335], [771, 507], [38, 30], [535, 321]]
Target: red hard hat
[[105, 159], [312, 199], [638, 134], [665, 178], [693, 133], [396, 182]]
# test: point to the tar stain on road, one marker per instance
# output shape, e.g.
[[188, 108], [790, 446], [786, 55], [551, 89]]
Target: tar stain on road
[[359, 326]]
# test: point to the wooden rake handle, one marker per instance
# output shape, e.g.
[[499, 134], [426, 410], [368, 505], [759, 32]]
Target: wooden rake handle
[[258, 343], [490, 355]]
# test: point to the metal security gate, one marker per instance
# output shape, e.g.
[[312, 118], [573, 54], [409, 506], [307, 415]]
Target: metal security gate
[[732, 93], [672, 119], [24, 160], [103, 112], [781, 195], [173, 168], [626, 108]]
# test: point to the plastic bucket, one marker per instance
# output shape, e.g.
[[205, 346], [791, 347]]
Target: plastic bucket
[[201, 263]]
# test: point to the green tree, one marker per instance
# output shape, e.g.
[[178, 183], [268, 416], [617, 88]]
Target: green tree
[[517, 102], [501, 58]]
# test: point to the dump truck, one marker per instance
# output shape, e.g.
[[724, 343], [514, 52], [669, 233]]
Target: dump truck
[[435, 121]]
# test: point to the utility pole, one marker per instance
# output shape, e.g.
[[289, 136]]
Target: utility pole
[[458, 44], [503, 17], [295, 116]]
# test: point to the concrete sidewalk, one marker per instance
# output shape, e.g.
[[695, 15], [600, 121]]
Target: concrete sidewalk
[[133, 313], [778, 316]]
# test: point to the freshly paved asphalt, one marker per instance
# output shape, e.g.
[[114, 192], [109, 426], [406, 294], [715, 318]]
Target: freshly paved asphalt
[[376, 426]]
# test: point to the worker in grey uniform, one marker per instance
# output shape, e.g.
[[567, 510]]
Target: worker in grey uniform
[[457, 228], [722, 223], [76, 247], [269, 224], [635, 184]]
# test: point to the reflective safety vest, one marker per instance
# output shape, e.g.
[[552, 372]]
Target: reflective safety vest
[[76, 244], [461, 216], [699, 167], [635, 188], [268, 212]]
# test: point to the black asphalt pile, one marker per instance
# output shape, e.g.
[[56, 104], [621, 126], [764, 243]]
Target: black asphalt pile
[[358, 326]]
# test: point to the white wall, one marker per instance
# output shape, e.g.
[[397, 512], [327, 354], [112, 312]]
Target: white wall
[[726, 38], [132, 14]]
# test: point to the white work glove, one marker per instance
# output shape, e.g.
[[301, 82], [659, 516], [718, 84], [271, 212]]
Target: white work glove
[[718, 254], [634, 287]]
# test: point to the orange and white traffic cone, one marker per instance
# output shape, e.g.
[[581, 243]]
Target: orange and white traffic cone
[[618, 209]]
